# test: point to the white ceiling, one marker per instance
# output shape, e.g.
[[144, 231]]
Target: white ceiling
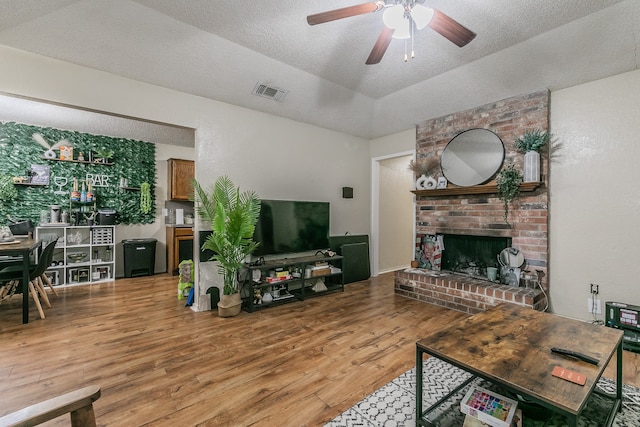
[[221, 49]]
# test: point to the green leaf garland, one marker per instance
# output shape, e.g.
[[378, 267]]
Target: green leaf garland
[[145, 198]]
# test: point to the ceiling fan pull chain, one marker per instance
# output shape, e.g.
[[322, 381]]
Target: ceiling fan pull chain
[[405, 50], [413, 54]]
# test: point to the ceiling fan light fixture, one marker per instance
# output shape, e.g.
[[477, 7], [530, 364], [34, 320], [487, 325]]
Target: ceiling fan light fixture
[[403, 31], [393, 16], [421, 15]]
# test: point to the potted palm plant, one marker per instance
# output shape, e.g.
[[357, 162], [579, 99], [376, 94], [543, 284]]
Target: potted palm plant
[[233, 215], [530, 143]]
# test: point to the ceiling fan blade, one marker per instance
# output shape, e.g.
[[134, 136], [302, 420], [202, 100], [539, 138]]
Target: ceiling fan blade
[[451, 29], [345, 12], [380, 47]]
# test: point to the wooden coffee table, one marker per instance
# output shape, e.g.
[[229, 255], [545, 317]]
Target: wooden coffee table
[[509, 345]]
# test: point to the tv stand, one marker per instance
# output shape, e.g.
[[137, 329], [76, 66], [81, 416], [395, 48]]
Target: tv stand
[[290, 279]]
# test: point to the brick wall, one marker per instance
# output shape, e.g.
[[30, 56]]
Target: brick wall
[[483, 215], [462, 293]]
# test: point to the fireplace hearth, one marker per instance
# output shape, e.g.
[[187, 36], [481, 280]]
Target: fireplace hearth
[[471, 255]]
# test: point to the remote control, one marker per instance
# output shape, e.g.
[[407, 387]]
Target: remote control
[[575, 355]]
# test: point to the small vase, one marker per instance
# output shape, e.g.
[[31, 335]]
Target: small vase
[[531, 166], [420, 181], [425, 183], [429, 184]]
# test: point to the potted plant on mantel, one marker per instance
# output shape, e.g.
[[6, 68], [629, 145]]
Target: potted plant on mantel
[[233, 216], [530, 144], [508, 182]]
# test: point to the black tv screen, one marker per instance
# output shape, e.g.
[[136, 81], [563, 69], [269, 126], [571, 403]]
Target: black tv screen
[[286, 226]]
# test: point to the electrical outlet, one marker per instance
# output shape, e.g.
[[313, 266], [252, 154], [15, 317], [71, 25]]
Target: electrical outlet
[[594, 289], [595, 309]]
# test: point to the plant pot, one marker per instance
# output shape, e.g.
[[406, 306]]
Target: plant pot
[[531, 166], [229, 305]]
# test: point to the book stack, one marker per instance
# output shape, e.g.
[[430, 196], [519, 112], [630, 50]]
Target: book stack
[[320, 268], [279, 275]]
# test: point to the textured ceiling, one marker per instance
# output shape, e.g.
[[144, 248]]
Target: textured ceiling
[[221, 49]]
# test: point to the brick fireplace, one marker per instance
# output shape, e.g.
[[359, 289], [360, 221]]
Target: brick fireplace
[[482, 214]]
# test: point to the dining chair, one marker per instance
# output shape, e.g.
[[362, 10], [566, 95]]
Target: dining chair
[[43, 278], [13, 276]]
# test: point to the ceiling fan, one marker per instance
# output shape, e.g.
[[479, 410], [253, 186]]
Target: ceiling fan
[[400, 17]]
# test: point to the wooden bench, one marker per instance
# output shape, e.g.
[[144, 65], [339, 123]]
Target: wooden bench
[[78, 402]]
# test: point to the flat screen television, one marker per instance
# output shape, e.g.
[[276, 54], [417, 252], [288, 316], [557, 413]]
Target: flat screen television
[[287, 226]]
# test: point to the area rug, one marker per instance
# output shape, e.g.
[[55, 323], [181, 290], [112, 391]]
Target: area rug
[[394, 403]]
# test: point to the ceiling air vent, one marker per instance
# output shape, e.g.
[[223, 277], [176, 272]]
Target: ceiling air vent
[[266, 91]]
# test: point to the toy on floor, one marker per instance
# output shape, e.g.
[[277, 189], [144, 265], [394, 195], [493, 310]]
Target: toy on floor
[[185, 283]]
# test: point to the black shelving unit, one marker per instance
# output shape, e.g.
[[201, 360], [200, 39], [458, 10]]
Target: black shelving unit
[[297, 286]]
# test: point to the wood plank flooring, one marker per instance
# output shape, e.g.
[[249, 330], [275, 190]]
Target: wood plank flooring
[[161, 364]]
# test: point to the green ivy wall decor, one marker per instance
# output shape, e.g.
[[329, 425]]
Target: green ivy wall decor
[[8, 191], [145, 198], [508, 182], [130, 159]]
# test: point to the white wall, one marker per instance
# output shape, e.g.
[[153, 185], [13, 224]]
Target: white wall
[[399, 142], [279, 158], [594, 205]]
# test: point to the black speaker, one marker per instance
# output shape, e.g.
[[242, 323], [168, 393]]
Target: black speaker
[[347, 192]]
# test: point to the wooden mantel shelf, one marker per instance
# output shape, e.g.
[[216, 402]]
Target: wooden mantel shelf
[[491, 188]]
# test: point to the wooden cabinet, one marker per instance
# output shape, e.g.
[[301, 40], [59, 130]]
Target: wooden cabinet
[[179, 247], [180, 173]]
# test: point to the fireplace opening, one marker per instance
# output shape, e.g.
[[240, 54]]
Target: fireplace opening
[[472, 254]]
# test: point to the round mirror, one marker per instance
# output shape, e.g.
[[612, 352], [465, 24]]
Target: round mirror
[[472, 157]]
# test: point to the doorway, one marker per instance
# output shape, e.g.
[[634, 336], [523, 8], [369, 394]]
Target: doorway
[[393, 213]]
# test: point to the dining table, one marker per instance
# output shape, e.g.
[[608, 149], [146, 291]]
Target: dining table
[[22, 247]]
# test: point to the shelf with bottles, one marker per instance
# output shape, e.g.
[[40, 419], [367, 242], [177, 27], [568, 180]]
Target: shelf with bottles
[[82, 192]]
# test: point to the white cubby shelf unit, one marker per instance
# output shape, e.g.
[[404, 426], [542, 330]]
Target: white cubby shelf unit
[[83, 254]]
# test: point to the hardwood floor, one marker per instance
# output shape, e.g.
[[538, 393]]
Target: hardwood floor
[[161, 364]]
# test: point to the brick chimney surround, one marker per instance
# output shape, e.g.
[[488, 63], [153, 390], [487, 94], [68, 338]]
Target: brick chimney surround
[[483, 214]]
